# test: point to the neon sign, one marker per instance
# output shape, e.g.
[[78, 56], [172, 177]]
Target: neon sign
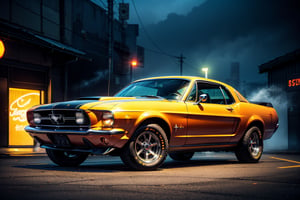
[[17, 111], [294, 82], [20, 100]]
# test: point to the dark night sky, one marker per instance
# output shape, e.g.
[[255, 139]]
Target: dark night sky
[[215, 33]]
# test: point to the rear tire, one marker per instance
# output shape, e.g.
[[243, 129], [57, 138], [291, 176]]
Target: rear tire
[[67, 158], [146, 149], [181, 156], [250, 148]]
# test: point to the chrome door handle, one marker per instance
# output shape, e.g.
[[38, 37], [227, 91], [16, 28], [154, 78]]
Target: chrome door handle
[[229, 109]]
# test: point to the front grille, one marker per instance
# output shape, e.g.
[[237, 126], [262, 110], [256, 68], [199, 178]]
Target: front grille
[[62, 119]]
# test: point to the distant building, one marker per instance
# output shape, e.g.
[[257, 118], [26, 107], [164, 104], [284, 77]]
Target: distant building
[[235, 74], [234, 78], [284, 73], [57, 50]]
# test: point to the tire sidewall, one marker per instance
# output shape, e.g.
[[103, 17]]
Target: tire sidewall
[[243, 153], [135, 161], [254, 130]]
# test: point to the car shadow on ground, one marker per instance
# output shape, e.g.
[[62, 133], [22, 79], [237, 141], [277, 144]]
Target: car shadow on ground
[[118, 166]]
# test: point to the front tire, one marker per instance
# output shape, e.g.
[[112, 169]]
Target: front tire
[[146, 149], [67, 158], [250, 148]]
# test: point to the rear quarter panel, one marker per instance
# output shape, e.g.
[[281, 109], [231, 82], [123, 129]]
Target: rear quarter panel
[[251, 113]]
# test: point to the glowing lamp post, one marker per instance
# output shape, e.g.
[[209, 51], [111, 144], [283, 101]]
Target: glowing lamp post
[[205, 70], [2, 49], [133, 64]]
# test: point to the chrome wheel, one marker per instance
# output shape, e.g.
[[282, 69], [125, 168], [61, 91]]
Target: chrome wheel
[[148, 147], [254, 144], [250, 147]]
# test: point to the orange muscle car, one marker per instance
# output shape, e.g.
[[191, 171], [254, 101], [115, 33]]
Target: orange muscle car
[[152, 118]]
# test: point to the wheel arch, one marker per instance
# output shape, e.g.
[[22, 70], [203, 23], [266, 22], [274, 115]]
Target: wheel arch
[[159, 121], [259, 124]]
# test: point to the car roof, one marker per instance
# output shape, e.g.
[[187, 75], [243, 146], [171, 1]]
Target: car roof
[[196, 78], [191, 78]]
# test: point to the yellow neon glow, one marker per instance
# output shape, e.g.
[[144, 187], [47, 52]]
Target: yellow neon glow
[[2, 49], [20, 100], [191, 136]]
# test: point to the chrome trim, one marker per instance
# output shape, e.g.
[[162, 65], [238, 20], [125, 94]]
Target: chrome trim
[[62, 126], [58, 117], [79, 132], [105, 132]]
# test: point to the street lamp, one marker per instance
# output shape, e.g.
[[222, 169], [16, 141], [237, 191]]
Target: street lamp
[[133, 64], [205, 70]]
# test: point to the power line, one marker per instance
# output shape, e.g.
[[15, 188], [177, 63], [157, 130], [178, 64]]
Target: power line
[[180, 58], [146, 32]]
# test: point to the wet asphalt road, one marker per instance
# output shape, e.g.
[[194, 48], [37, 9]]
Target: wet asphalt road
[[206, 176]]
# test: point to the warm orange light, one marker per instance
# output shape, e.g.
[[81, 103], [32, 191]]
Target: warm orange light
[[2, 49], [20, 100], [134, 63]]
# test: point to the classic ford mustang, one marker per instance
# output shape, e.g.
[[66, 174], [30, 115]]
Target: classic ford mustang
[[152, 118]]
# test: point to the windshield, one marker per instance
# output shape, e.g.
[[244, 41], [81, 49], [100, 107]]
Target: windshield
[[165, 88]]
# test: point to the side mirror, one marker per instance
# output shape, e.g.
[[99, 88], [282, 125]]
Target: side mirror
[[202, 99]]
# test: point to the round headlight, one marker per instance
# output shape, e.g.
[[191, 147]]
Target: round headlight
[[37, 118], [79, 118], [108, 119]]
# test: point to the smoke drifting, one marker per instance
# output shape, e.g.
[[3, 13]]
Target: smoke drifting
[[278, 98], [98, 75]]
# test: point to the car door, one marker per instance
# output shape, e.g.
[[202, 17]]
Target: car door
[[215, 119]]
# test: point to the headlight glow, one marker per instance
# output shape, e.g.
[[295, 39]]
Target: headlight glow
[[104, 118], [79, 117], [108, 119], [37, 118]]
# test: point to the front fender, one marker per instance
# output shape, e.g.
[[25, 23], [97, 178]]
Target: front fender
[[151, 115]]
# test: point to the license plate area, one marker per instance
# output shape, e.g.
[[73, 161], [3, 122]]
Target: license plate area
[[60, 140]]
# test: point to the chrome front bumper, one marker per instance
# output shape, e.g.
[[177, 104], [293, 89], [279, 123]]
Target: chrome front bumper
[[30, 129]]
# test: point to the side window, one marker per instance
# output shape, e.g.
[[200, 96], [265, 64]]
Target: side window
[[216, 94], [227, 95], [193, 95]]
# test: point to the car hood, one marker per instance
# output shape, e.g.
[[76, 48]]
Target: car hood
[[105, 102]]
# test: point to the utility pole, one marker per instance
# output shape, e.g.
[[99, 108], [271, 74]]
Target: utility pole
[[180, 58], [110, 4]]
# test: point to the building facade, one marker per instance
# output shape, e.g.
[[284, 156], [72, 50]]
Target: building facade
[[56, 50], [284, 74]]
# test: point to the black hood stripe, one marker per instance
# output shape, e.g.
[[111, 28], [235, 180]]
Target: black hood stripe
[[66, 105]]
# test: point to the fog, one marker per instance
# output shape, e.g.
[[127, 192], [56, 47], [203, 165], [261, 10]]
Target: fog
[[278, 98]]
